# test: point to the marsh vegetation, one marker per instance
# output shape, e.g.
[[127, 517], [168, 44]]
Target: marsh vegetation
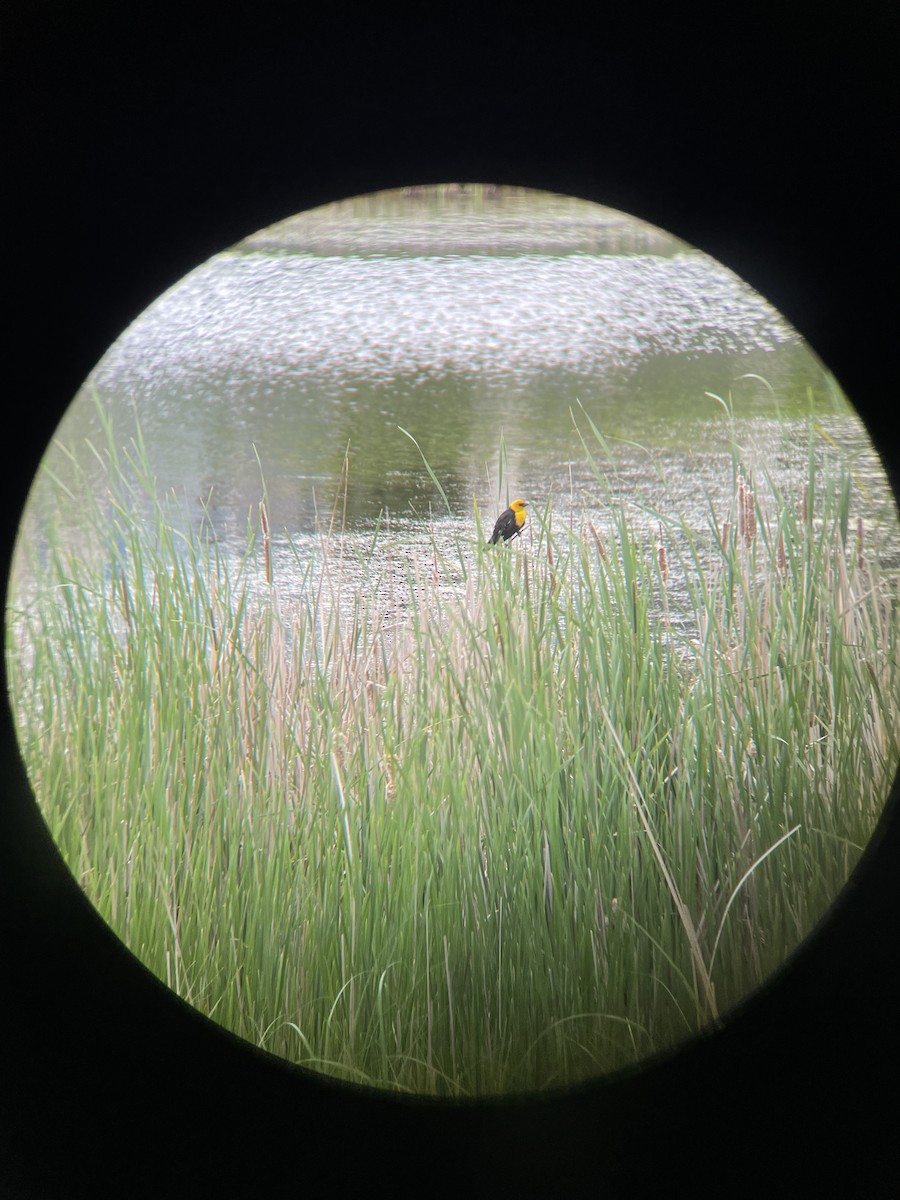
[[556, 807]]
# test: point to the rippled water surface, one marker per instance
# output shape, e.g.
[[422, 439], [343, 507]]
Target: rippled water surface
[[488, 325]]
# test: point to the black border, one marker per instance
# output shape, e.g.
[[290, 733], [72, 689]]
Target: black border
[[145, 139]]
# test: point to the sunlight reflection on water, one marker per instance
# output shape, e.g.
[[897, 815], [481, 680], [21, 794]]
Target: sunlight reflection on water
[[481, 323]]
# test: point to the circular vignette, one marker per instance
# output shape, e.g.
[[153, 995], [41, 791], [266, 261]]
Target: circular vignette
[[743, 518]]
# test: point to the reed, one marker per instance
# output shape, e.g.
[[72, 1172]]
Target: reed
[[530, 830]]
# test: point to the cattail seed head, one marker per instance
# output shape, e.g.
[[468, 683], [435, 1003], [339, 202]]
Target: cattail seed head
[[599, 544], [267, 552], [663, 561], [746, 511]]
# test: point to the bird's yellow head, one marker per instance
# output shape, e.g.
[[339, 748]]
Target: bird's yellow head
[[518, 507]]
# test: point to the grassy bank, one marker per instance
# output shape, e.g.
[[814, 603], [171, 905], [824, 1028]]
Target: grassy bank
[[497, 838]]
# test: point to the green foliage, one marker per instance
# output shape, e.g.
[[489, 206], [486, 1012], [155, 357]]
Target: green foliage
[[542, 826]]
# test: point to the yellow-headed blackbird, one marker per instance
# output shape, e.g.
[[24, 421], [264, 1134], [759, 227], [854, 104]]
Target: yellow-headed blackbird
[[509, 523]]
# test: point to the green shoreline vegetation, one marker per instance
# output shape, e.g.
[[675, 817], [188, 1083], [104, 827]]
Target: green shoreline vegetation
[[520, 835]]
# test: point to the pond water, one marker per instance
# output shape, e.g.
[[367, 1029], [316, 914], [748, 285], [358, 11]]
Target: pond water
[[488, 323]]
